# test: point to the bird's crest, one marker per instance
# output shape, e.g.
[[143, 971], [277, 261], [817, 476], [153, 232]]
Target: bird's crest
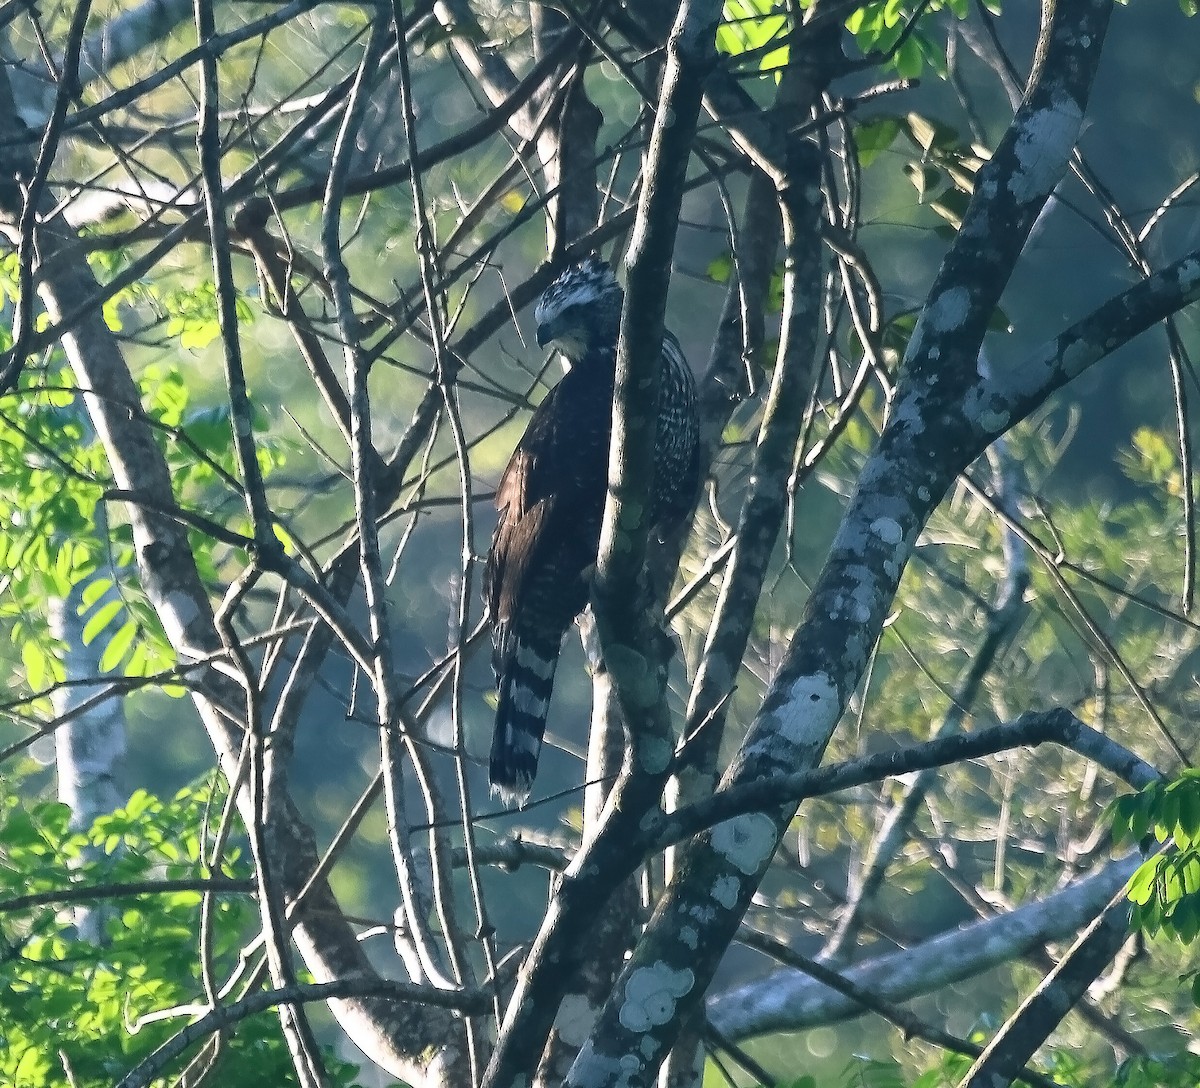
[[584, 282]]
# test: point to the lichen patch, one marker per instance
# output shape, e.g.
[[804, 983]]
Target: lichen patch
[[651, 994]]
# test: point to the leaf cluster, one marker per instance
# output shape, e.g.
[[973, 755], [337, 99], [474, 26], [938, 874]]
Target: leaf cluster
[[1165, 891], [82, 1014]]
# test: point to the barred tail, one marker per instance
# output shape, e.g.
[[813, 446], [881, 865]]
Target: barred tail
[[525, 685]]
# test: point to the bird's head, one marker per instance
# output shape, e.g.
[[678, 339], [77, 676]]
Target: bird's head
[[580, 309]]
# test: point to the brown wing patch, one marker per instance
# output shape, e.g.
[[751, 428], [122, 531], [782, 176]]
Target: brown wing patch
[[513, 546]]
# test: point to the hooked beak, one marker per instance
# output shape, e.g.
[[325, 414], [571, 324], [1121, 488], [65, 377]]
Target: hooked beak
[[544, 335]]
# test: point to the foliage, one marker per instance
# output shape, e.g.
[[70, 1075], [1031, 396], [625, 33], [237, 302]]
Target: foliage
[[53, 478], [1165, 891], [754, 31], [76, 1015], [1178, 1071], [878, 27]]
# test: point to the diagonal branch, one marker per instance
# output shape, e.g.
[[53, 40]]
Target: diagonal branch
[[1001, 400], [909, 1023], [1031, 728], [1030, 1026], [297, 994], [1003, 620], [791, 1001]]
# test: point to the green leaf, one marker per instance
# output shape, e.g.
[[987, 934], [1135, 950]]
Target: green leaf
[[1142, 884], [118, 646], [909, 60], [93, 591], [101, 618], [1188, 822], [875, 137], [720, 268], [1185, 920], [1189, 873], [34, 661]]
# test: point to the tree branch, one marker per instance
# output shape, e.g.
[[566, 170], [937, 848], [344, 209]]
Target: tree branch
[[791, 1001], [1031, 1025], [463, 1001]]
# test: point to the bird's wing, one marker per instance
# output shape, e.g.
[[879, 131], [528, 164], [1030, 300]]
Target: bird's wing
[[526, 497], [550, 498]]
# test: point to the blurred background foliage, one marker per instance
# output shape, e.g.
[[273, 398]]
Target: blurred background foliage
[[1100, 503]]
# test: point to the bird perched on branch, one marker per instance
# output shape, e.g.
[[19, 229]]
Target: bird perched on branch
[[551, 503]]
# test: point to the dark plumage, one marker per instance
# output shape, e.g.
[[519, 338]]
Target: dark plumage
[[551, 502]]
